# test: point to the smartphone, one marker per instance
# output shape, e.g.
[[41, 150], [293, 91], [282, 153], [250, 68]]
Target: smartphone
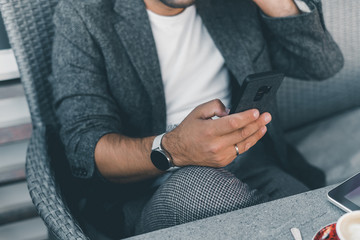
[[257, 91]]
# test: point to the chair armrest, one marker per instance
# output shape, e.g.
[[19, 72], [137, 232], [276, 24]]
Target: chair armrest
[[44, 191]]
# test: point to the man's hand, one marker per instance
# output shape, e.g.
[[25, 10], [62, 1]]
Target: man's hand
[[200, 140], [278, 8]]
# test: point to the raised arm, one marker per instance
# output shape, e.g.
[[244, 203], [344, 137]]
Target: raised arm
[[299, 42]]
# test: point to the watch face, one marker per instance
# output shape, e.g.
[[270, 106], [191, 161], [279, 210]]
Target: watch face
[[160, 160]]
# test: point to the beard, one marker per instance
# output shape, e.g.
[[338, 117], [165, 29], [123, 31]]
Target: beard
[[178, 3]]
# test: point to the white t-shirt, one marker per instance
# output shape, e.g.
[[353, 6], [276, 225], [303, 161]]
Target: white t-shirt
[[192, 68]]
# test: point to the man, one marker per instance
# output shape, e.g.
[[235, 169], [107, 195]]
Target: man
[[137, 84]]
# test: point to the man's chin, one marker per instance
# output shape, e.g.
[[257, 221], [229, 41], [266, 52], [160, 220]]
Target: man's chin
[[178, 3]]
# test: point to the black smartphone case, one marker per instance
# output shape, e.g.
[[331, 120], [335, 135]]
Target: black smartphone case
[[257, 92]]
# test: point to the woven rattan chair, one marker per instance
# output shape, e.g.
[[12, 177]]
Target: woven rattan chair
[[30, 30]]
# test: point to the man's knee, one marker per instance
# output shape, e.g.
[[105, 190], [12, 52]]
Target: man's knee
[[194, 193], [204, 189]]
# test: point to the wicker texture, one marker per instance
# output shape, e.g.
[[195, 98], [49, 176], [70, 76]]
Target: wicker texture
[[30, 30], [44, 191]]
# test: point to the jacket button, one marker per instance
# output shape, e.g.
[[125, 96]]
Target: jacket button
[[83, 172], [78, 171]]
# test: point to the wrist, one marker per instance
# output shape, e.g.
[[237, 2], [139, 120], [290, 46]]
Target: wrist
[[284, 8], [170, 144], [160, 157]]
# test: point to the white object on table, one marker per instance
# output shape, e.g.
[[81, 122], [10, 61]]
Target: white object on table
[[296, 233]]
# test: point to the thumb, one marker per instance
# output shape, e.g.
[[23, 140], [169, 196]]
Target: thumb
[[211, 109]]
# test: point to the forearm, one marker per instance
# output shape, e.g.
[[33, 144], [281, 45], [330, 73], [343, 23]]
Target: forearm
[[122, 159], [301, 47], [198, 141]]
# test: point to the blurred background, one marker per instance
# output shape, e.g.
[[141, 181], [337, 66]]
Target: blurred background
[[18, 217]]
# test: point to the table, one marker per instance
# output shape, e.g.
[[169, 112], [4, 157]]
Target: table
[[307, 211]]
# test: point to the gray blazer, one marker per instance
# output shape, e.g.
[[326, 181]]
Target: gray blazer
[[106, 75]]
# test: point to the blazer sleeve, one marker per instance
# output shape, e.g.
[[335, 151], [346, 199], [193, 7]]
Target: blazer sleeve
[[82, 100], [301, 47]]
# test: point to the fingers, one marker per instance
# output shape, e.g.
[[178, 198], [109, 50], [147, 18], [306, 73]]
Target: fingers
[[243, 146], [247, 131], [249, 142], [210, 109], [244, 138], [199, 140], [234, 122]]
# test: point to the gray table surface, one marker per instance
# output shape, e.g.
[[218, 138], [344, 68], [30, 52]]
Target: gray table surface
[[273, 220]]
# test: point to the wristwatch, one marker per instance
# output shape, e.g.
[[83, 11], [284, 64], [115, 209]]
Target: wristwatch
[[161, 159]]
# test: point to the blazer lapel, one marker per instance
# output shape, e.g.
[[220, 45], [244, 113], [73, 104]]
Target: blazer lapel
[[134, 30], [227, 37]]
